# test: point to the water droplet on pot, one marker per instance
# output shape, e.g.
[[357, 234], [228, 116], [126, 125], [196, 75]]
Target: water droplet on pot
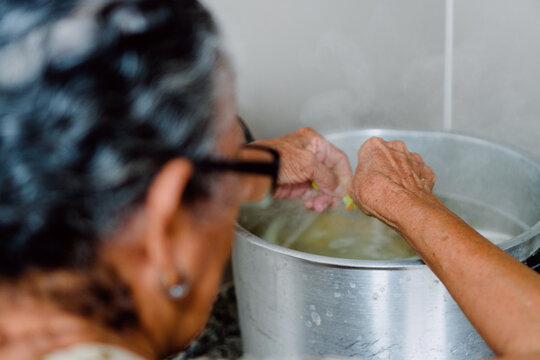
[[316, 318]]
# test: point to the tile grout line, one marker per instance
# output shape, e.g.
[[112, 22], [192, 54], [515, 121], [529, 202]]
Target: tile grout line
[[448, 64]]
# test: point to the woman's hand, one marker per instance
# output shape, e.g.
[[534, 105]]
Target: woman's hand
[[307, 157], [388, 175]]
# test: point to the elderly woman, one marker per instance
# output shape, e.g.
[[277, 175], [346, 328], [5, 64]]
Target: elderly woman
[[123, 166]]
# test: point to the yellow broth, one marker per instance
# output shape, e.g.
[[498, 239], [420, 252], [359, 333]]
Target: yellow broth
[[351, 234]]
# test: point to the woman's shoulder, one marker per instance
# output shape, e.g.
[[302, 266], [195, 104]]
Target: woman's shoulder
[[92, 352]]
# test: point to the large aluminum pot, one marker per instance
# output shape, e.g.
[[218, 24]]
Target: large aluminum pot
[[298, 304]]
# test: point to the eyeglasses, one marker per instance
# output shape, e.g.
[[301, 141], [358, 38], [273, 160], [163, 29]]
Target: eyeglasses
[[258, 167]]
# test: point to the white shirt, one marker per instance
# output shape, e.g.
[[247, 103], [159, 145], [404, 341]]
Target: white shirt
[[92, 352]]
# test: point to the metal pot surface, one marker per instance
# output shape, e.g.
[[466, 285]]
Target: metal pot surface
[[293, 303]]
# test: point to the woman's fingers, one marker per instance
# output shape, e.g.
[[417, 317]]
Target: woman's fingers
[[386, 172], [408, 167], [308, 158], [334, 160], [325, 178], [313, 199], [429, 176], [293, 191], [322, 202], [342, 168], [396, 145]]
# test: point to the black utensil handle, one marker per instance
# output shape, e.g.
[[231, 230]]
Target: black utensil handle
[[534, 261]]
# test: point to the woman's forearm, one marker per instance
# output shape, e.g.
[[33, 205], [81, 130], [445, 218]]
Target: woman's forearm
[[498, 294]]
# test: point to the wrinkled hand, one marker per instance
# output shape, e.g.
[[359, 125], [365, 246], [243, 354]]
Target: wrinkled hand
[[307, 157], [388, 177]]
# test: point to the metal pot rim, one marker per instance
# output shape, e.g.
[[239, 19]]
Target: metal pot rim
[[405, 264], [382, 132]]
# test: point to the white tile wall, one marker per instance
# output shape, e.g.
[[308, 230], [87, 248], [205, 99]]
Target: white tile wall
[[497, 70], [343, 64], [336, 65]]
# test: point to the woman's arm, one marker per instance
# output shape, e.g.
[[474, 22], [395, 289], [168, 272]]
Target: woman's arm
[[498, 294]]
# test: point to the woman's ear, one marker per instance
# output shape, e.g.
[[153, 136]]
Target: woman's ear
[[167, 189], [162, 207]]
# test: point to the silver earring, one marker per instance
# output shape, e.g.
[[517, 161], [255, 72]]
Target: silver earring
[[178, 291], [177, 288]]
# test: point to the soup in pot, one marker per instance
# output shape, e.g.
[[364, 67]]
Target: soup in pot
[[351, 234]]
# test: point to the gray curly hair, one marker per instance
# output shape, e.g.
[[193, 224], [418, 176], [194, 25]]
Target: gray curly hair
[[95, 97]]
